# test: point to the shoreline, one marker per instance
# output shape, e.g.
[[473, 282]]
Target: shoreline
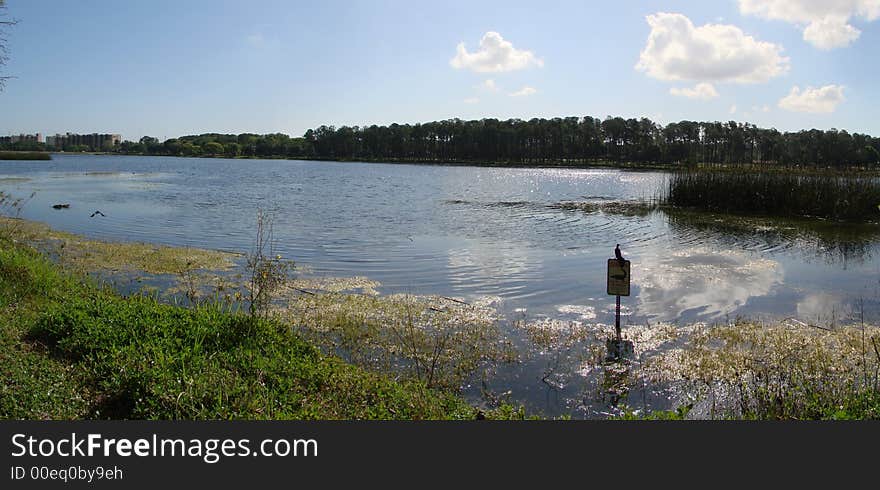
[[602, 165], [109, 355], [60, 311]]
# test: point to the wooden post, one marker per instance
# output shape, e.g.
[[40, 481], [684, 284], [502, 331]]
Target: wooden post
[[617, 319]]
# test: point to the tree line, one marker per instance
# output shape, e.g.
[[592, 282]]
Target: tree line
[[557, 141], [574, 140]]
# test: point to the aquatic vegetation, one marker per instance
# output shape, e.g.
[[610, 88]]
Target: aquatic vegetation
[[436, 340], [787, 370], [780, 192], [327, 284], [83, 254], [625, 208]]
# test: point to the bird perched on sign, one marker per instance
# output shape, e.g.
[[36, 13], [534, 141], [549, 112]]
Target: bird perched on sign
[[617, 254]]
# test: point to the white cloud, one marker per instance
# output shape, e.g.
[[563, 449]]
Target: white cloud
[[825, 22], [677, 50], [815, 100], [701, 91], [760, 108], [732, 109], [471, 100], [523, 92], [830, 33], [495, 55], [488, 85]]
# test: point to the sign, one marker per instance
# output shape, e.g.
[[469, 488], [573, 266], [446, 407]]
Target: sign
[[618, 277]]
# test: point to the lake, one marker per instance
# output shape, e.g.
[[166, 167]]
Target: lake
[[505, 234]]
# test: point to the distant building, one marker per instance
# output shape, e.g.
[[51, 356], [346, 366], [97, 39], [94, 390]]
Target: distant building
[[94, 141], [38, 138]]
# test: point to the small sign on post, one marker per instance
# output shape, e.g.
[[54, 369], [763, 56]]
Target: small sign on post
[[618, 285], [618, 277]]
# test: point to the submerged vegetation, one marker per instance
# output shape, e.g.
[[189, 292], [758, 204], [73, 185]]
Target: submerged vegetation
[[442, 342], [739, 370], [625, 208], [777, 192]]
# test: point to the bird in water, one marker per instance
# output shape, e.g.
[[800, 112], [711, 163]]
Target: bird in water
[[617, 254], [96, 213]]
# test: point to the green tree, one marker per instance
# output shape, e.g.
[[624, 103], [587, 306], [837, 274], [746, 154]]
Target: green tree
[[873, 155], [213, 148], [232, 149]]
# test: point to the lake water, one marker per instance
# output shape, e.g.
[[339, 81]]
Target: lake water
[[472, 232]]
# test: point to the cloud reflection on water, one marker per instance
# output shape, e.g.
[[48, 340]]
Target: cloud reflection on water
[[700, 280]]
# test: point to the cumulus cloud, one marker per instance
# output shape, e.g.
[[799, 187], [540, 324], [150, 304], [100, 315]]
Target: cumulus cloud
[[678, 50], [830, 33], [701, 91], [732, 109], [825, 22], [494, 55], [815, 100], [471, 100], [523, 92]]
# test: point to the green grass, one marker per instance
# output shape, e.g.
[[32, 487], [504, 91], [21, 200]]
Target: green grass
[[780, 192], [24, 155], [70, 349]]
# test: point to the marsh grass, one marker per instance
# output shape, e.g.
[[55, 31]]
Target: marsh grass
[[780, 192], [777, 371]]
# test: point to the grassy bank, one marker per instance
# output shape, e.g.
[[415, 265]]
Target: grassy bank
[[778, 192], [70, 349]]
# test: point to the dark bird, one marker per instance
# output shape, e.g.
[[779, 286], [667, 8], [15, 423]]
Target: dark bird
[[61, 206], [617, 253], [95, 213]]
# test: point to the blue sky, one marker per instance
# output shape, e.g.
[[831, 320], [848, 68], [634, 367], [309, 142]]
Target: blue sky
[[168, 68]]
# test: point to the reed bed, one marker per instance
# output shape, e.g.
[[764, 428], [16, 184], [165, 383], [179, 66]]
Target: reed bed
[[783, 192]]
